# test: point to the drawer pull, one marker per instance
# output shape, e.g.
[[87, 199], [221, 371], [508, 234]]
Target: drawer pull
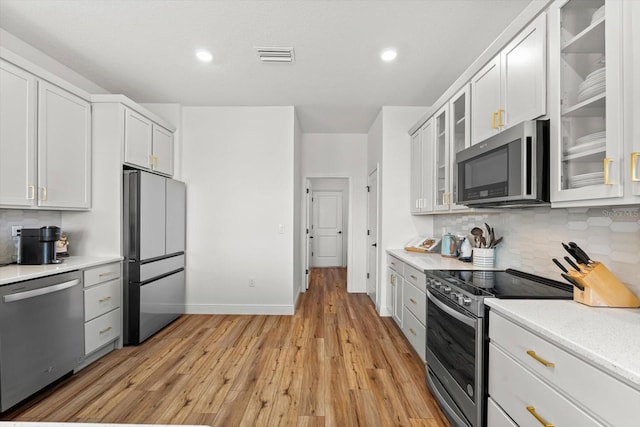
[[413, 277], [104, 331], [541, 420], [393, 263], [413, 301], [540, 359], [105, 274], [412, 331], [105, 299]]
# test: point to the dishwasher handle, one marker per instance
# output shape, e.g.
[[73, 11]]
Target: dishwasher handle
[[40, 291]]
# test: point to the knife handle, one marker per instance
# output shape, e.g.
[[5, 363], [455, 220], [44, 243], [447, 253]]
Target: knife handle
[[572, 281], [572, 264], [562, 267]]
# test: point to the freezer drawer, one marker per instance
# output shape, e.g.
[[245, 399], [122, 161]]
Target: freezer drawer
[[161, 302]]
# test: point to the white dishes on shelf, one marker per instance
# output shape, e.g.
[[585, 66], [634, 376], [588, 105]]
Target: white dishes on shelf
[[597, 14], [586, 179], [594, 84], [593, 142]]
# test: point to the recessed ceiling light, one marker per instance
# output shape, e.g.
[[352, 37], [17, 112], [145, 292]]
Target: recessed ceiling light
[[388, 55], [204, 55]]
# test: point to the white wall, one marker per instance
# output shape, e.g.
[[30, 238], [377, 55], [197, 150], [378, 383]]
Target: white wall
[[238, 164], [389, 147], [344, 156]]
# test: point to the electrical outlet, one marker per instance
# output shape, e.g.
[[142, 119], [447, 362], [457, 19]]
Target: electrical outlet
[[14, 230], [252, 282]]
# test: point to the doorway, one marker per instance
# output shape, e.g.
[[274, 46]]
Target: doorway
[[327, 223]]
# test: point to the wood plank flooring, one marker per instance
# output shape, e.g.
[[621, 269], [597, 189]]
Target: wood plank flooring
[[333, 363]]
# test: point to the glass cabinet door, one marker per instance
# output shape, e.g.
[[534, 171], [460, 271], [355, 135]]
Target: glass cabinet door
[[459, 107], [587, 139], [442, 193]]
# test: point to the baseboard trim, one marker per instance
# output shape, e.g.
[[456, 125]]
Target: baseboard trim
[[239, 309]]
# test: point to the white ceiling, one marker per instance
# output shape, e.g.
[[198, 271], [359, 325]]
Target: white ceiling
[[145, 50]]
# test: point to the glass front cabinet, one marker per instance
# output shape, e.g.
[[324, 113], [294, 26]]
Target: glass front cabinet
[[586, 101]]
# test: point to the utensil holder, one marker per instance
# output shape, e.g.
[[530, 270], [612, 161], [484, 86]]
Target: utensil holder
[[484, 257], [601, 288]]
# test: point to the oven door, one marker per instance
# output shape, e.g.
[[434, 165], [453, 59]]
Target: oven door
[[454, 358]]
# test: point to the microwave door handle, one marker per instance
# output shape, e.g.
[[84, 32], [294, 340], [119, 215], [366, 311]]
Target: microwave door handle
[[451, 312]]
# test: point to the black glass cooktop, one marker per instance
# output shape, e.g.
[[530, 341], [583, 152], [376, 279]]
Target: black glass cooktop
[[507, 284]]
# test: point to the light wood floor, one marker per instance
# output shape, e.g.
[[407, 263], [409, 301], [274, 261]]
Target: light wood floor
[[334, 363]]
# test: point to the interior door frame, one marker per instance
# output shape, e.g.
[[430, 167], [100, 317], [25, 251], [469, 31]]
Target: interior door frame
[[306, 224], [375, 237]]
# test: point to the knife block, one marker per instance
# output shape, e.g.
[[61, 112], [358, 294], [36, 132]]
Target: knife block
[[602, 288]]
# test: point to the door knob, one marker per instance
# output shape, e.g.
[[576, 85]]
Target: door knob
[[375, 245], [311, 237], [339, 232]]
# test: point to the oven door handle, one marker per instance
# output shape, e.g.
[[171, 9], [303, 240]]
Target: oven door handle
[[451, 312]]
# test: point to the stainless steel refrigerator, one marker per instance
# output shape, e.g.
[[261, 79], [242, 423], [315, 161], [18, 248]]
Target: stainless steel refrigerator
[[154, 245]]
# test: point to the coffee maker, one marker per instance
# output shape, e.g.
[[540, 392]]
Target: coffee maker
[[38, 245]]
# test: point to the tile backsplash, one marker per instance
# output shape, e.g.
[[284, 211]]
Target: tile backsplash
[[25, 218], [533, 236]]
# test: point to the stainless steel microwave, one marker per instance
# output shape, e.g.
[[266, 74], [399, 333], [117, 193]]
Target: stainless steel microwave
[[509, 169]]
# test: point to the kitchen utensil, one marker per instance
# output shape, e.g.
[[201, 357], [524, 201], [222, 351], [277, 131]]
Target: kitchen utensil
[[572, 264], [586, 259], [601, 288], [570, 251], [477, 236], [491, 233], [573, 282], [562, 267]]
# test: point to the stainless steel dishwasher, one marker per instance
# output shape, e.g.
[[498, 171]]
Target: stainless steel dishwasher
[[41, 334]]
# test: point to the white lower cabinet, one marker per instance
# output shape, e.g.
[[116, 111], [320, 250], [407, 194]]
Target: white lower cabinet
[[409, 300], [102, 302], [496, 416], [102, 330], [532, 379]]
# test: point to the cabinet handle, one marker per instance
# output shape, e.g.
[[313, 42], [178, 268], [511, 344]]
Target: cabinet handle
[[151, 158], [413, 277], [607, 163], [413, 301], [540, 359], [444, 199], [44, 194], [156, 161], [105, 299], [493, 120], [541, 420], [104, 331], [412, 331], [634, 163], [32, 192], [105, 274], [500, 111]]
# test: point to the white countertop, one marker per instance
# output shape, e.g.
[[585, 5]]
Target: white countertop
[[432, 261], [16, 273], [608, 338]]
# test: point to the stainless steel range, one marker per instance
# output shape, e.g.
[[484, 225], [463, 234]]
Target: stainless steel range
[[457, 339]]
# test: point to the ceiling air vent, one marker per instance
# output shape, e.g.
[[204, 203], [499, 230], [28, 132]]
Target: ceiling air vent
[[275, 54]]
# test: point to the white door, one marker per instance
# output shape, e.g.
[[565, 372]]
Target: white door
[[372, 236], [327, 228]]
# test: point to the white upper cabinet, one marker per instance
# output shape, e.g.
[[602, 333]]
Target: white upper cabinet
[[442, 159], [631, 13], [64, 148], [45, 143], [17, 136], [137, 139], [589, 163], [512, 87], [146, 144], [162, 150], [459, 139], [422, 169]]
